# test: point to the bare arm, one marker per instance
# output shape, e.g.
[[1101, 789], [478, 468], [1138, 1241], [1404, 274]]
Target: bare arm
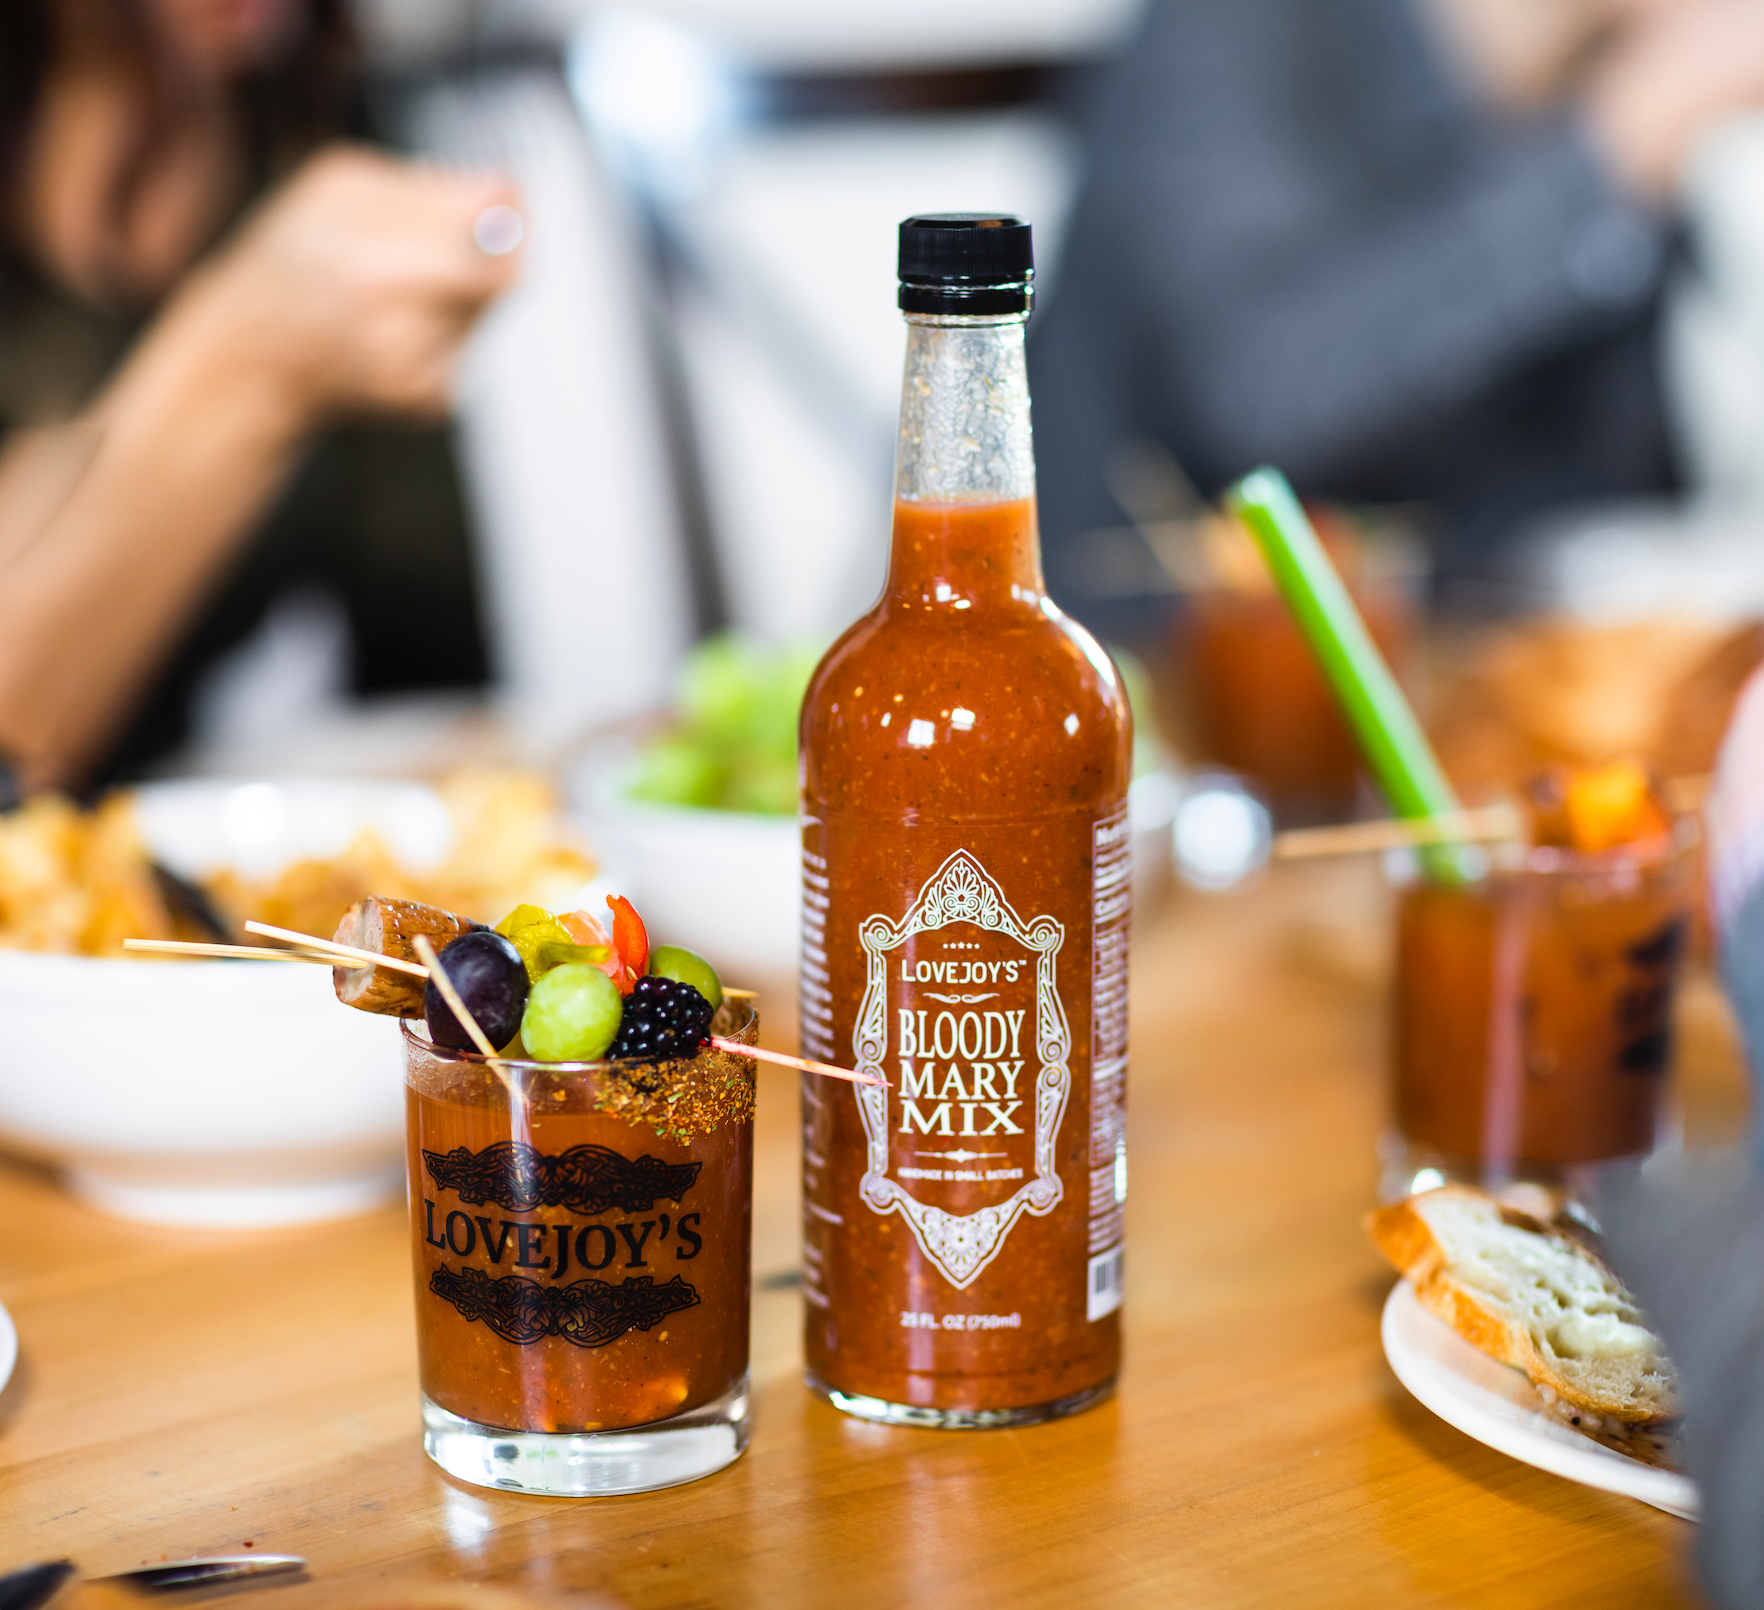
[[350, 291]]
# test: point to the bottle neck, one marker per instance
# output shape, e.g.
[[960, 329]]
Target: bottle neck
[[964, 477]]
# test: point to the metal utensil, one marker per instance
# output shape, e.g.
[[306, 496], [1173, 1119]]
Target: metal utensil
[[201, 1572], [191, 903], [34, 1586]]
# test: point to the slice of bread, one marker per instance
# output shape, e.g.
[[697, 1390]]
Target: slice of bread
[[1533, 1298]]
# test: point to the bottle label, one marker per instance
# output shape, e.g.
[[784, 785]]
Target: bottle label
[[1111, 914], [961, 1014]]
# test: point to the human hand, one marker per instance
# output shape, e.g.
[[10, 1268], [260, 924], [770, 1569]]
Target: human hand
[[1675, 68], [354, 286]]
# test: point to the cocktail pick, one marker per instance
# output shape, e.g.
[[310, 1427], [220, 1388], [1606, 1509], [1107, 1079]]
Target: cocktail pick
[[255, 953], [1397, 751], [367, 958], [1495, 824], [361, 958], [449, 994], [802, 1064]]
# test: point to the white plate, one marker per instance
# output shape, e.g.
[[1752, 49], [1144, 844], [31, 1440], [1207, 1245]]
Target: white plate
[[1498, 1406], [8, 1347]]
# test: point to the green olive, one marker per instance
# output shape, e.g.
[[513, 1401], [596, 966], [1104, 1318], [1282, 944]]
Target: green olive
[[675, 961]]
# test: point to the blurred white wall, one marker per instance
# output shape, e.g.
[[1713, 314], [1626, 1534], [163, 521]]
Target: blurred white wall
[[793, 344], [802, 35], [560, 429], [1714, 332], [878, 34], [787, 335]]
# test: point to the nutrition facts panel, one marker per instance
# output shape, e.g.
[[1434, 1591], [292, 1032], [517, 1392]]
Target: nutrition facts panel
[[1112, 911]]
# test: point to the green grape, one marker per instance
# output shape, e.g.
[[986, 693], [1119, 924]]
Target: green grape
[[678, 770], [572, 1014], [527, 928], [734, 747], [763, 783], [722, 686], [688, 967], [1136, 681]]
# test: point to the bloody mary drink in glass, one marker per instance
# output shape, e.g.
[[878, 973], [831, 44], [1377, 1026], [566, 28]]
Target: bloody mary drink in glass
[[1533, 1024], [1259, 703], [582, 1238], [966, 895]]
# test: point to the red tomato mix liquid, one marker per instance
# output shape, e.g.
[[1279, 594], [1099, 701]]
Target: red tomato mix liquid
[[967, 890]]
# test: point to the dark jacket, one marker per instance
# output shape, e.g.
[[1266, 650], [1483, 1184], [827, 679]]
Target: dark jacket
[[1687, 1232], [1302, 241]]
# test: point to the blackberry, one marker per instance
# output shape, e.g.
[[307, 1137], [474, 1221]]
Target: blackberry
[[663, 1018]]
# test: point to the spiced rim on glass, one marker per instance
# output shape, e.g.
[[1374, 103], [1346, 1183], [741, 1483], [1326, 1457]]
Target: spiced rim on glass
[[966, 894]]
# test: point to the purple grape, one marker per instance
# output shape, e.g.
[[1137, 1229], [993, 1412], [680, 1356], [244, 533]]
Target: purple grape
[[492, 981]]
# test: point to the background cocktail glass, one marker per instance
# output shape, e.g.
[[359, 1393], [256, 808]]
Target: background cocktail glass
[[1250, 687], [1532, 1030], [582, 1243]]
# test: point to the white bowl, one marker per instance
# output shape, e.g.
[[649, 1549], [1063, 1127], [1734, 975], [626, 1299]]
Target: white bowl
[[216, 1093], [723, 883]]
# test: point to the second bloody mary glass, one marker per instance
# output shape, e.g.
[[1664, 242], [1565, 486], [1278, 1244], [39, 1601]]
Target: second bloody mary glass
[[582, 1241], [1533, 1014], [1260, 704]]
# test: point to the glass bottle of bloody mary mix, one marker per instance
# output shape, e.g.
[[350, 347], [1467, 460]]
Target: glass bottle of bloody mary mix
[[966, 892]]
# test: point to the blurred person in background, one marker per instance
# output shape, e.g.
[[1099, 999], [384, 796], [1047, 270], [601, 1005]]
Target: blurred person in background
[[226, 349], [1404, 249]]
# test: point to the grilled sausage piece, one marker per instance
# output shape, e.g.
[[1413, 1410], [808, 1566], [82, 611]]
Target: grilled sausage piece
[[388, 927]]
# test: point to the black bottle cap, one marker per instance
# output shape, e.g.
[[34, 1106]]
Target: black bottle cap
[[979, 263]]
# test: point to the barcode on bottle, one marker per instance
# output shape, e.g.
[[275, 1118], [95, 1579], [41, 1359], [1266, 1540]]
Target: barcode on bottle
[[1104, 1295]]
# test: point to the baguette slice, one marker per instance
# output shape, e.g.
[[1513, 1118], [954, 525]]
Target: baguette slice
[[1532, 1298]]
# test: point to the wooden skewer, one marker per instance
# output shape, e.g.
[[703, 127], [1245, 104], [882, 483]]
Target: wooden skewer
[[825, 1069], [1498, 823], [256, 953], [1492, 824], [420, 943], [361, 958]]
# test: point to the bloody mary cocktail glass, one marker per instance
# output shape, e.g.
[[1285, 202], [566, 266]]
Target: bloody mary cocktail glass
[[1256, 694], [1260, 704], [1533, 1022], [582, 1242]]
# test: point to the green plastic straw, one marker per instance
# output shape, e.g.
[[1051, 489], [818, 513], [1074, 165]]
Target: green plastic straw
[[1396, 749]]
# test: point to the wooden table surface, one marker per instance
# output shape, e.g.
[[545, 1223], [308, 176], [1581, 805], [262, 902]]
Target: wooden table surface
[[183, 1393]]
